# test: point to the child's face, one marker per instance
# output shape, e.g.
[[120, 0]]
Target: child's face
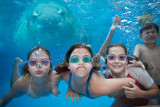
[[39, 64], [150, 36], [117, 66], [80, 68]]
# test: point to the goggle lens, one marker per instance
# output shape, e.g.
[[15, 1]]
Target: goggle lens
[[110, 57], [32, 62], [44, 62], [87, 59], [76, 59], [120, 57]]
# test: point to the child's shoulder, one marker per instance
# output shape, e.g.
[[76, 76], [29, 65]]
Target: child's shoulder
[[133, 72], [21, 83], [135, 69], [24, 80], [97, 74], [139, 45]]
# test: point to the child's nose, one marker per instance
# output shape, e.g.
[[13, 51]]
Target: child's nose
[[80, 61], [116, 59], [150, 33], [38, 65]]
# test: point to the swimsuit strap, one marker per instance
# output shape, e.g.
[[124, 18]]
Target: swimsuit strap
[[87, 85], [30, 91], [69, 82], [88, 81], [30, 83]]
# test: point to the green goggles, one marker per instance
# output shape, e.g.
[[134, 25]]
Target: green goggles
[[76, 59]]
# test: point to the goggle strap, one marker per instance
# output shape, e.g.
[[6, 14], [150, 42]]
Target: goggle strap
[[28, 61], [89, 59], [23, 62], [127, 56], [131, 56]]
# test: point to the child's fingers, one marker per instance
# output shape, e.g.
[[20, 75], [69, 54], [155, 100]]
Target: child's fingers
[[72, 99], [79, 97], [57, 93], [130, 65], [133, 61], [55, 88], [128, 96], [76, 98], [67, 97], [132, 84], [18, 60], [127, 88]]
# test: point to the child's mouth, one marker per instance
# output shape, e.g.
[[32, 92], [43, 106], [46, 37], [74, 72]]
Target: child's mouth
[[39, 72], [80, 67], [152, 38], [117, 67]]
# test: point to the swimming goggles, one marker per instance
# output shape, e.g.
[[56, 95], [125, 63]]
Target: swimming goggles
[[76, 59], [34, 62], [120, 57]]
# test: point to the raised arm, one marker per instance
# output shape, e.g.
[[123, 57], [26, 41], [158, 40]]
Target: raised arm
[[15, 73], [107, 42]]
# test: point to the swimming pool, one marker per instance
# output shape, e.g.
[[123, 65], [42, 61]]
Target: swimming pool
[[92, 20]]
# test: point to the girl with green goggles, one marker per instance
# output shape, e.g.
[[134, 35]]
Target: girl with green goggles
[[76, 59]]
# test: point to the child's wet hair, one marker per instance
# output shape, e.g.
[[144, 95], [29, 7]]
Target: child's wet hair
[[75, 46], [116, 45], [149, 26], [62, 67], [36, 48]]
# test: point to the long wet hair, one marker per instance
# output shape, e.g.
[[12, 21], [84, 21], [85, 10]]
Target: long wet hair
[[62, 67], [36, 48]]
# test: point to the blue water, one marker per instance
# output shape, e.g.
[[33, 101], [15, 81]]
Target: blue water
[[93, 19]]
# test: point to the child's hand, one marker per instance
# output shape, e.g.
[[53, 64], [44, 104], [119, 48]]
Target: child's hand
[[132, 92], [136, 64], [17, 61], [55, 92], [73, 95], [116, 21]]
